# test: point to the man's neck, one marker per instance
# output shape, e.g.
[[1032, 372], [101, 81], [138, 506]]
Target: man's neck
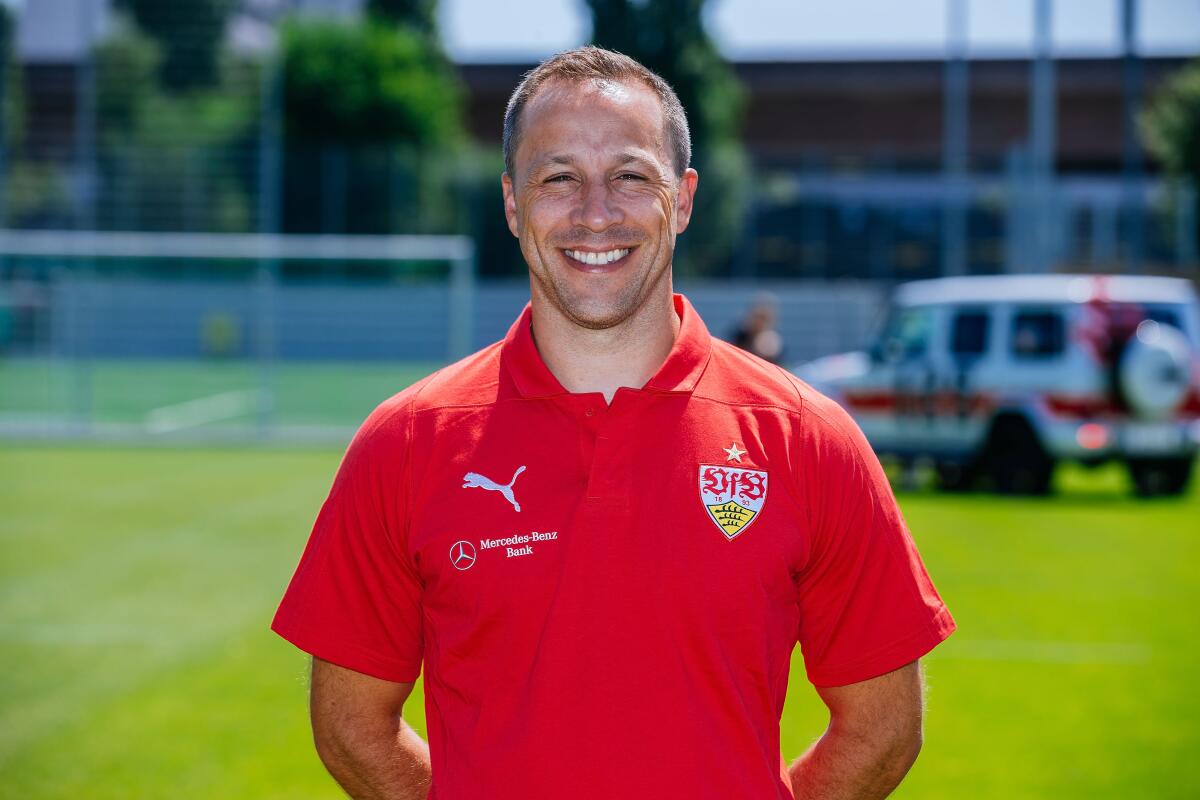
[[629, 354]]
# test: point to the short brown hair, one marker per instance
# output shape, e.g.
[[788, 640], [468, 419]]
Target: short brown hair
[[596, 63]]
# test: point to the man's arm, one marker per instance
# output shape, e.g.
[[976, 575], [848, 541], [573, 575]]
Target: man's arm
[[362, 739], [873, 738]]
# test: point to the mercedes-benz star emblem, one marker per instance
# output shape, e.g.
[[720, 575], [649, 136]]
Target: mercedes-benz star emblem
[[462, 555]]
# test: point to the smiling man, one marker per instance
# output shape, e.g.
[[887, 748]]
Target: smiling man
[[604, 536]]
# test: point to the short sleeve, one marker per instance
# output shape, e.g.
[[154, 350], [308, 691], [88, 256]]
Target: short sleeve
[[867, 604], [355, 598]]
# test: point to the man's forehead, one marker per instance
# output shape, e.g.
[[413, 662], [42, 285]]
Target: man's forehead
[[586, 90], [633, 105]]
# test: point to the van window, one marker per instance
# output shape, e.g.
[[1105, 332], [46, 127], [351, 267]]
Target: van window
[[1037, 334], [1164, 315], [906, 335], [969, 333]]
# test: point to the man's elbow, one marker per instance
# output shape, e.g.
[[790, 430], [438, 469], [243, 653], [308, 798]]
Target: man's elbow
[[885, 748], [896, 750], [905, 749], [330, 746]]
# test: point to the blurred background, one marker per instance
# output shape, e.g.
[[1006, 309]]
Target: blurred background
[[230, 228]]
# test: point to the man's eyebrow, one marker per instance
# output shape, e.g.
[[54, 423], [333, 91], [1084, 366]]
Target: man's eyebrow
[[567, 160], [555, 160], [636, 158]]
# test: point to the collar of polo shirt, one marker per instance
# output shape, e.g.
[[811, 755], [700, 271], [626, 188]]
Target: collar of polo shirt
[[679, 373]]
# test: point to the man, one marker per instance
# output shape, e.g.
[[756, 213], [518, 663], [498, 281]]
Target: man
[[757, 334], [604, 536]]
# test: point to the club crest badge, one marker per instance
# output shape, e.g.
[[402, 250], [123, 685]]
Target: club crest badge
[[732, 496]]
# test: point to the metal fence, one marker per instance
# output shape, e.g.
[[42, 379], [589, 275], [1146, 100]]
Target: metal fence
[[169, 337]]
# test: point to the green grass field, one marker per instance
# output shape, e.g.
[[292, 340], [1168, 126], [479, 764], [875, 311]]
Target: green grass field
[[129, 391], [136, 586]]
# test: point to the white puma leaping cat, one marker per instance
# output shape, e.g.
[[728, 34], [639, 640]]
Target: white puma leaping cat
[[476, 481]]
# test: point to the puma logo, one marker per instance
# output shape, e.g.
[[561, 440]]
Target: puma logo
[[473, 480]]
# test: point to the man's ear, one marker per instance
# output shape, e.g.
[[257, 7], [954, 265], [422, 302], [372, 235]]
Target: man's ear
[[684, 198], [510, 205]]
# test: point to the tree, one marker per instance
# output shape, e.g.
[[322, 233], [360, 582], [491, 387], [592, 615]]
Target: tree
[[420, 15], [366, 83], [668, 36], [8, 84], [168, 160], [189, 32], [1171, 127], [371, 104], [127, 65]]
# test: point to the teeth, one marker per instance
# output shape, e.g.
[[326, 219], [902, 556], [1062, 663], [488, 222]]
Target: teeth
[[598, 258]]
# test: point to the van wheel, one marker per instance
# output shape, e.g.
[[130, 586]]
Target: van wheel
[[1016, 461], [1160, 477]]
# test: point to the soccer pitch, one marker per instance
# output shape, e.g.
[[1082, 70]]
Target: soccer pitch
[[193, 393], [136, 586]]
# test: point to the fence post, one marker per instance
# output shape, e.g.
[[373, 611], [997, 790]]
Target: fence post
[[267, 273], [462, 301]]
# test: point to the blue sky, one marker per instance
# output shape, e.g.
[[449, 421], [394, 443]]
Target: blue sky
[[484, 30]]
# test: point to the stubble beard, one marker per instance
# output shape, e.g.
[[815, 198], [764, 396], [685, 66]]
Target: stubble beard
[[607, 311]]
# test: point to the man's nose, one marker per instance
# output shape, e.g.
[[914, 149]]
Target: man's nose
[[597, 210]]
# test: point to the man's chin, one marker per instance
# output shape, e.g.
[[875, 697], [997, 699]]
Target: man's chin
[[596, 304], [596, 313], [596, 316]]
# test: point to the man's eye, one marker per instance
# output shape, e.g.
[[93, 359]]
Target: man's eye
[[558, 179], [630, 176]]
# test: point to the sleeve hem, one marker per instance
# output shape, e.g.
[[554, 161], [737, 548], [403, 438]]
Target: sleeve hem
[[347, 655], [889, 658]]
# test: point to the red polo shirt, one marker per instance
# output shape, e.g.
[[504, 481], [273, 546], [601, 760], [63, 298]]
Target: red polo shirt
[[606, 596]]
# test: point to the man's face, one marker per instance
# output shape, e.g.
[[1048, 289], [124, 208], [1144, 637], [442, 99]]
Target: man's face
[[595, 199]]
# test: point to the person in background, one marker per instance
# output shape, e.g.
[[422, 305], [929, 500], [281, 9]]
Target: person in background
[[757, 333]]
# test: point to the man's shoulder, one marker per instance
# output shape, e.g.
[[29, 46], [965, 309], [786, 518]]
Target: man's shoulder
[[737, 377], [473, 381]]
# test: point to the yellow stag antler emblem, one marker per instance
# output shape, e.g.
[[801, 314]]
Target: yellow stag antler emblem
[[732, 496]]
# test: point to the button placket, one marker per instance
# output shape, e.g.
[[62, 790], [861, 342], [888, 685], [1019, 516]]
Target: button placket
[[609, 477]]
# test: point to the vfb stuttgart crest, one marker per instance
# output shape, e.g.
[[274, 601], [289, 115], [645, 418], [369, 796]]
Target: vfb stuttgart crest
[[732, 496]]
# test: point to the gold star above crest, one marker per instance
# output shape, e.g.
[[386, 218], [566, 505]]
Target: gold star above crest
[[732, 453]]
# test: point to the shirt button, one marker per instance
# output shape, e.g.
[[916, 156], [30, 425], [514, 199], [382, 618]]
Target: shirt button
[[591, 412]]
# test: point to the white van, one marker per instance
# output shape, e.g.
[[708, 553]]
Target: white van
[[996, 379]]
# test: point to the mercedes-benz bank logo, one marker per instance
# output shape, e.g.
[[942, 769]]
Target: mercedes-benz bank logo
[[462, 555]]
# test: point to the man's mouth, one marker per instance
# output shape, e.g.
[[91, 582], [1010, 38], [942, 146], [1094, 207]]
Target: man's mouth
[[589, 258]]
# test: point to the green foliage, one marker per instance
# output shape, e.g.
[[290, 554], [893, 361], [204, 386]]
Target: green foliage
[[372, 105], [420, 15], [190, 32], [367, 83], [12, 106], [127, 67], [157, 150], [1171, 125], [668, 37], [34, 191], [1171, 128]]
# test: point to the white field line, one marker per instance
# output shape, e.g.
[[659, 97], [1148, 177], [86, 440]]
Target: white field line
[[202, 410], [1034, 652]]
